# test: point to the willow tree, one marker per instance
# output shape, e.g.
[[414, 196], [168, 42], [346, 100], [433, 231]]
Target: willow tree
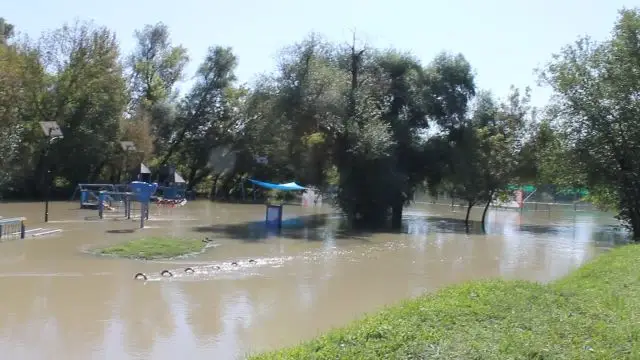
[[597, 110], [392, 101]]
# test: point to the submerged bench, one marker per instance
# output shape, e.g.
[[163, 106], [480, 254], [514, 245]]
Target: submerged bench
[[12, 227]]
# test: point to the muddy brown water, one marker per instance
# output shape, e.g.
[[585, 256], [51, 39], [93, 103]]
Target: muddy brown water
[[59, 302]]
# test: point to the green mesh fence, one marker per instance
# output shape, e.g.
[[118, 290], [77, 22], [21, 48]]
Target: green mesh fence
[[565, 191]]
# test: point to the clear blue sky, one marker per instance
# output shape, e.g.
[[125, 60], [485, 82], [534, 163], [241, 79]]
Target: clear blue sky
[[504, 40]]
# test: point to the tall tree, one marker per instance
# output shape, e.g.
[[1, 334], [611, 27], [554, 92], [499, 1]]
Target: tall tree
[[12, 103], [307, 84], [155, 65], [83, 89], [403, 98], [155, 68], [477, 158], [598, 111], [6, 31], [207, 115]]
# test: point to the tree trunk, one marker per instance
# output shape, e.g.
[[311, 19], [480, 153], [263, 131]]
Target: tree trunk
[[484, 213], [396, 214], [214, 187], [95, 173], [191, 177], [197, 178], [466, 219], [635, 230], [634, 220]]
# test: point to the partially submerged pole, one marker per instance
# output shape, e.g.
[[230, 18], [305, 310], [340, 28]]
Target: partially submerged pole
[[142, 214], [101, 197]]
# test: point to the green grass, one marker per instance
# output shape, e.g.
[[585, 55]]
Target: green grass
[[594, 313], [154, 248]]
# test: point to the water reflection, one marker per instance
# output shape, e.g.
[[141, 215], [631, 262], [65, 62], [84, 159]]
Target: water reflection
[[313, 275]]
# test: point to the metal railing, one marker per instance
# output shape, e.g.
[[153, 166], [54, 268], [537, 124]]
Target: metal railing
[[527, 206], [127, 198], [12, 228]]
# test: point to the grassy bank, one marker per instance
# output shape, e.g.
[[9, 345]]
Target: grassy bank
[[154, 248], [594, 313]]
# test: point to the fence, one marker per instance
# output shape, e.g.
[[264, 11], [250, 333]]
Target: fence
[[527, 206], [12, 228]]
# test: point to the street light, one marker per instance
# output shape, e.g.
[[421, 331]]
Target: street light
[[127, 146], [52, 132]]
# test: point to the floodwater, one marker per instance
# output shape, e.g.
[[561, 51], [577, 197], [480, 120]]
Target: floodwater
[[57, 301]]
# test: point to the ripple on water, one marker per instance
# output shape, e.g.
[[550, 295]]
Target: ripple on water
[[222, 270], [206, 270]]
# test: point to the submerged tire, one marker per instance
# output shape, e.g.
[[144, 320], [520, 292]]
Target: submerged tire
[[189, 270], [166, 273], [251, 261], [234, 264], [140, 276]]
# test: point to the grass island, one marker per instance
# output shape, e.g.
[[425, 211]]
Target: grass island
[[157, 247], [593, 313]]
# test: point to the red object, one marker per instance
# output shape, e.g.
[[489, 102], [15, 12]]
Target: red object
[[520, 198]]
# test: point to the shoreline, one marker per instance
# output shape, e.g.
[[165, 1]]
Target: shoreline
[[593, 312], [153, 248]]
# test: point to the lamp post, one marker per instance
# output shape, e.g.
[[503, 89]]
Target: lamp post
[[127, 146], [52, 132]]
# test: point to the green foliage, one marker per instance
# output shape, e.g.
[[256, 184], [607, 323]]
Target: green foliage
[[313, 140], [11, 129], [151, 248], [583, 316], [597, 113], [154, 68], [366, 170], [604, 198], [155, 65], [483, 153], [6, 31], [377, 124]]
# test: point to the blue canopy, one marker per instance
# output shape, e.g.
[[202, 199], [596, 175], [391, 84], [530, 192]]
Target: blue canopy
[[285, 187]]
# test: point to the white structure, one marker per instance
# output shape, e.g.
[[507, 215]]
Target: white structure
[[311, 197]]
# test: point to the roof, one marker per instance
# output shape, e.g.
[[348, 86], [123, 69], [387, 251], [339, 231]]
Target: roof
[[290, 186]]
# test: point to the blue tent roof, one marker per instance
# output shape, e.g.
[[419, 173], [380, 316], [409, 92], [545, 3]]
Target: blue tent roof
[[284, 187]]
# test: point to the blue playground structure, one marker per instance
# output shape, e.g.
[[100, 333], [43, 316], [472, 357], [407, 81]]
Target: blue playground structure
[[117, 200], [140, 192], [89, 193], [175, 192], [173, 186], [273, 216]]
